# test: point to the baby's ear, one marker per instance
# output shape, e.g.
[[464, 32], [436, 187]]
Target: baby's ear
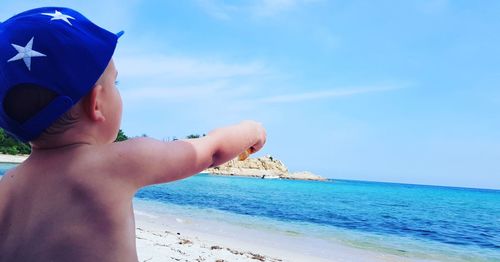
[[93, 104]]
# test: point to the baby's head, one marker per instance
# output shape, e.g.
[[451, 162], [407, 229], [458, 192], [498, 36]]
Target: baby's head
[[57, 76]]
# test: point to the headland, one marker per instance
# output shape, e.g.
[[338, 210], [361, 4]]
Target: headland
[[266, 167]]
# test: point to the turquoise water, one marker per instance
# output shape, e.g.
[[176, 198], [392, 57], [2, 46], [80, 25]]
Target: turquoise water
[[422, 222], [404, 219]]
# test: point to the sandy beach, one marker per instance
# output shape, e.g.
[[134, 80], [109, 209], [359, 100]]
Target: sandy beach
[[11, 159], [162, 243]]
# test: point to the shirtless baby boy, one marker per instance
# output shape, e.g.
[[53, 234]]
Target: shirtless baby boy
[[71, 200]]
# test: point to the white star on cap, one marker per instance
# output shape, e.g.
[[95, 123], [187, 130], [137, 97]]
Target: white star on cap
[[59, 16], [26, 53]]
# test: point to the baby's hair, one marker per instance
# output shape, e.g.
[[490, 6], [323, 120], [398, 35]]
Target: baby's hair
[[24, 101]]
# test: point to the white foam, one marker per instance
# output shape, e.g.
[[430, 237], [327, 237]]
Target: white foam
[[145, 214]]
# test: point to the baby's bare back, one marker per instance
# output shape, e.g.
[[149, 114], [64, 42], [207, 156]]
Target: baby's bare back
[[64, 210], [74, 203]]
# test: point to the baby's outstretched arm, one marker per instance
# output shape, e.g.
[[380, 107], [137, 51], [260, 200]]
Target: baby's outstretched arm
[[146, 161]]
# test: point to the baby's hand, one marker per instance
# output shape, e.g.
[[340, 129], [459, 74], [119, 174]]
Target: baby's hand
[[260, 134]]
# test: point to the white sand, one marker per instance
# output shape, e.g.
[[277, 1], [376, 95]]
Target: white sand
[[12, 159], [156, 244]]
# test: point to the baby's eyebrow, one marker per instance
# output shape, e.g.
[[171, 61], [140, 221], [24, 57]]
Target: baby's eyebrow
[[116, 76]]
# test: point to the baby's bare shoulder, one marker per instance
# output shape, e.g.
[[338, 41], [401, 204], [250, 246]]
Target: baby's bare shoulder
[[85, 168], [82, 178]]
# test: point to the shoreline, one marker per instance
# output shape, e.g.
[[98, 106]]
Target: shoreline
[[182, 236], [260, 174]]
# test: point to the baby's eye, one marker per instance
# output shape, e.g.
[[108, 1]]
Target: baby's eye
[[117, 82]]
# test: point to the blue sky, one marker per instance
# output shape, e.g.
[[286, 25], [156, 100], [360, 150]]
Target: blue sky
[[399, 91]]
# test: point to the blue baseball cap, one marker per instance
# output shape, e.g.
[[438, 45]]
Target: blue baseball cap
[[56, 48]]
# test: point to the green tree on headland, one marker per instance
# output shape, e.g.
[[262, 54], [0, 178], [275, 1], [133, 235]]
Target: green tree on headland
[[121, 136], [11, 146], [194, 136]]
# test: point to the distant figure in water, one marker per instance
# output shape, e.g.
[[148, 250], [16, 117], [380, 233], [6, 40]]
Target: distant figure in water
[[71, 200]]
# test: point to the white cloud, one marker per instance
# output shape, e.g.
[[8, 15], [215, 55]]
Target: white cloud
[[181, 79], [433, 6], [216, 9], [188, 79], [207, 92], [256, 8], [325, 38], [272, 7], [171, 93], [164, 66], [290, 98]]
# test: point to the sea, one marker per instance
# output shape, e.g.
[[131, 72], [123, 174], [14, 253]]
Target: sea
[[428, 223]]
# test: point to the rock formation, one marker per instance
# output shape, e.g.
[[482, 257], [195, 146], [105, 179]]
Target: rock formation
[[262, 167]]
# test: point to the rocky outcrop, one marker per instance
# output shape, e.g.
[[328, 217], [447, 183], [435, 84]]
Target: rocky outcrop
[[262, 167]]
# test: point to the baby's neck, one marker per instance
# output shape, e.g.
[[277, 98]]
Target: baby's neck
[[68, 139], [51, 146]]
